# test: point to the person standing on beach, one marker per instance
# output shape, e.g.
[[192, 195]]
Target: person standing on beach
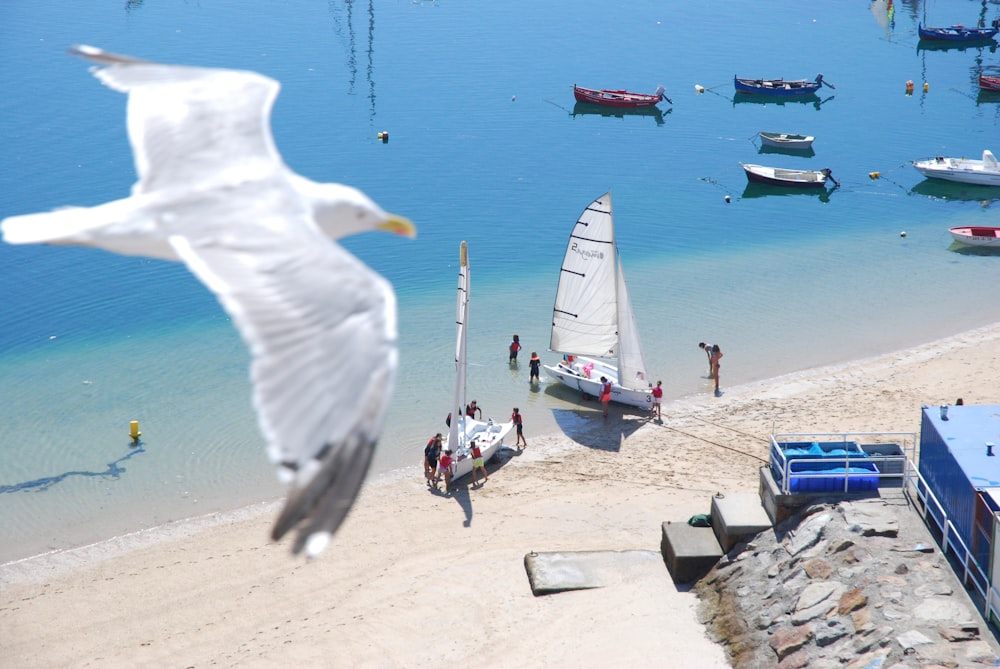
[[444, 469], [605, 394], [519, 424], [534, 365], [707, 348], [657, 400], [714, 358], [515, 346], [431, 453], [478, 463]]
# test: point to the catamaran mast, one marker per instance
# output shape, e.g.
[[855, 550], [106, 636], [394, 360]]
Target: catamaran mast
[[456, 431]]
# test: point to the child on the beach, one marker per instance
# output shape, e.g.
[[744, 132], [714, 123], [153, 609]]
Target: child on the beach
[[478, 464], [519, 424]]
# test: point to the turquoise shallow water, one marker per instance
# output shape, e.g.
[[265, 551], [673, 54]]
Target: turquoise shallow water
[[487, 145]]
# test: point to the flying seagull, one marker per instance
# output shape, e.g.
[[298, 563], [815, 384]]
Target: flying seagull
[[214, 193]]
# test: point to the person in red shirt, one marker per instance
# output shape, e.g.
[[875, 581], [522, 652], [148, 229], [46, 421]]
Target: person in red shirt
[[519, 424], [514, 347], [605, 394], [478, 464], [444, 469], [657, 400]]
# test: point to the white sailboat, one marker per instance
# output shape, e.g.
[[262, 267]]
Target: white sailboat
[[593, 315], [464, 429]]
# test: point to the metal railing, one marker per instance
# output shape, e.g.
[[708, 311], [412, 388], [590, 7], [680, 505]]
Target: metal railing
[[930, 509], [867, 474]]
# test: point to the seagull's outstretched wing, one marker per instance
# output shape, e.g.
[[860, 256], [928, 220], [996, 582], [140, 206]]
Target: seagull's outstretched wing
[[191, 124], [321, 327]]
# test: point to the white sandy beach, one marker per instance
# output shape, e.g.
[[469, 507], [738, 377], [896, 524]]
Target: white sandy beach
[[416, 579]]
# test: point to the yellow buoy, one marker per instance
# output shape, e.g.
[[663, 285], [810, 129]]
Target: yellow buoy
[[926, 87], [874, 175], [909, 86], [133, 431]]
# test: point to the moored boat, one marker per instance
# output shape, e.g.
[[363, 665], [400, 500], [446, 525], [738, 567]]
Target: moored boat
[[958, 33], [785, 140], [985, 172], [977, 235], [989, 82], [780, 87], [619, 98], [779, 176]]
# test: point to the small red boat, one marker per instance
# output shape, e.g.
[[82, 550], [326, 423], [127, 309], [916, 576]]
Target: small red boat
[[989, 82], [610, 98]]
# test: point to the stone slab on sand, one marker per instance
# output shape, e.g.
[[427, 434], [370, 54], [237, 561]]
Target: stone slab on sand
[[550, 573]]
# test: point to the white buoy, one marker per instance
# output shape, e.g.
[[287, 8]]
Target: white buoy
[[903, 233], [727, 199], [699, 89]]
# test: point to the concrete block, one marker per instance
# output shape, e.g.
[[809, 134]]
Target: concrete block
[[736, 516], [689, 552]]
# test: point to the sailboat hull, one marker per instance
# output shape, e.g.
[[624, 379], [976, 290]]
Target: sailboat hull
[[584, 374], [488, 436]]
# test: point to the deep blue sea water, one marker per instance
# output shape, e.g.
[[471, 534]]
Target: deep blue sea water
[[486, 145]]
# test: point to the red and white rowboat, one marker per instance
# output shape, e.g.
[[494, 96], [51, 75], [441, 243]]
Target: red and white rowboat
[[975, 235], [610, 98]]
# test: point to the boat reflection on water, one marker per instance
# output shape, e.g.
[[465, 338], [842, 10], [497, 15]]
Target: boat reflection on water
[[942, 45], [588, 109], [987, 97], [966, 250], [750, 98], [959, 192], [804, 153], [755, 190]]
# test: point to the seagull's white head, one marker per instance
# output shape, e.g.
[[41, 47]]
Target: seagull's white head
[[341, 210]]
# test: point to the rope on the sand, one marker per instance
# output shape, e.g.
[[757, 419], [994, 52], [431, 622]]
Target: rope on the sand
[[726, 427], [714, 443]]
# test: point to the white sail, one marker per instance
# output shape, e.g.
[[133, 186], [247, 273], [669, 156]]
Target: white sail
[[631, 363], [585, 315], [593, 315], [457, 426]]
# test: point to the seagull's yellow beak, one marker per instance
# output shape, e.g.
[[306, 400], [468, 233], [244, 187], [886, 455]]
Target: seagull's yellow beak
[[398, 225]]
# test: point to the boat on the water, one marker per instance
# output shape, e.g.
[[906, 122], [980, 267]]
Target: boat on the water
[[786, 140], [779, 176], [780, 87], [989, 82], [463, 430], [592, 315], [985, 172], [977, 235], [958, 33], [619, 98]]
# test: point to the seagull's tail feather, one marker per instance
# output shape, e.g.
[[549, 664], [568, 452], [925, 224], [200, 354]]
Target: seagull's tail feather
[[110, 226], [319, 505]]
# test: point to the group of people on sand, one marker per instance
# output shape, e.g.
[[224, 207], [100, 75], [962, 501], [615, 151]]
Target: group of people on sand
[[440, 464]]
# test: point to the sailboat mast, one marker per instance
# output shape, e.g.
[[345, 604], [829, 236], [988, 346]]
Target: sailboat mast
[[457, 428]]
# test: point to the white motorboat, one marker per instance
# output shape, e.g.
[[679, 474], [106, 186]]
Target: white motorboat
[[985, 172]]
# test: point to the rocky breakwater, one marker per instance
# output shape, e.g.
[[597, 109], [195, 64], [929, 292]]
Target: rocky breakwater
[[849, 584]]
